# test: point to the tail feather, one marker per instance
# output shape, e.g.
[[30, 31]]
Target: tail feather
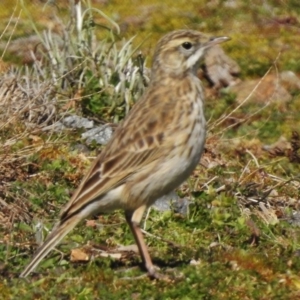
[[57, 234]]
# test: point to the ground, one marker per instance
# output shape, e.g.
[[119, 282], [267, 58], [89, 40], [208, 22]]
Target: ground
[[240, 237]]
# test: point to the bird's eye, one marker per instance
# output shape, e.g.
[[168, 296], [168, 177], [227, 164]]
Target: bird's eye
[[187, 45]]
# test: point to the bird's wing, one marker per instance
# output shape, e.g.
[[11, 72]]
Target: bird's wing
[[129, 150]]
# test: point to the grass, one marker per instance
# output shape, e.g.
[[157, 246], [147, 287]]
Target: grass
[[239, 239]]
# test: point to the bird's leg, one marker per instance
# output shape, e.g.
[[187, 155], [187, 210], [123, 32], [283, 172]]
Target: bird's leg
[[133, 219]]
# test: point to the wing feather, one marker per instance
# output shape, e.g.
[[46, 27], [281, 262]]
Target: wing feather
[[124, 155], [103, 177]]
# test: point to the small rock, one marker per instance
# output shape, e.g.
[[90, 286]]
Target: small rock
[[164, 203], [173, 202], [220, 69], [101, 135], [75, 121], [81, 148], [270, 89], [290, 80], [181, 205], [295, 219]]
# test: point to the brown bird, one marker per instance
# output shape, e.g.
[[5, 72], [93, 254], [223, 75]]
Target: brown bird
[[152, 151]]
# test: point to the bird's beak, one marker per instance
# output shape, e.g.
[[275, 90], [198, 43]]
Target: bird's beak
[[217, 40]]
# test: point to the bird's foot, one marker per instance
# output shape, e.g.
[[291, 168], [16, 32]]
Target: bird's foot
[[173, 275]]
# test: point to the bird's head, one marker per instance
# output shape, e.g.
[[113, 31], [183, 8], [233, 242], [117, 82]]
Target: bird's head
[[179, 51]]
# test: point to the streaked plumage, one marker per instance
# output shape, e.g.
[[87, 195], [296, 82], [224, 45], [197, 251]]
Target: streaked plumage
[[152, 152]]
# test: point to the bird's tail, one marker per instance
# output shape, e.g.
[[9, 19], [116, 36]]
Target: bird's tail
[[57, 234]]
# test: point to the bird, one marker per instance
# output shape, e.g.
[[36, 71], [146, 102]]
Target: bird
[[152, 152]]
